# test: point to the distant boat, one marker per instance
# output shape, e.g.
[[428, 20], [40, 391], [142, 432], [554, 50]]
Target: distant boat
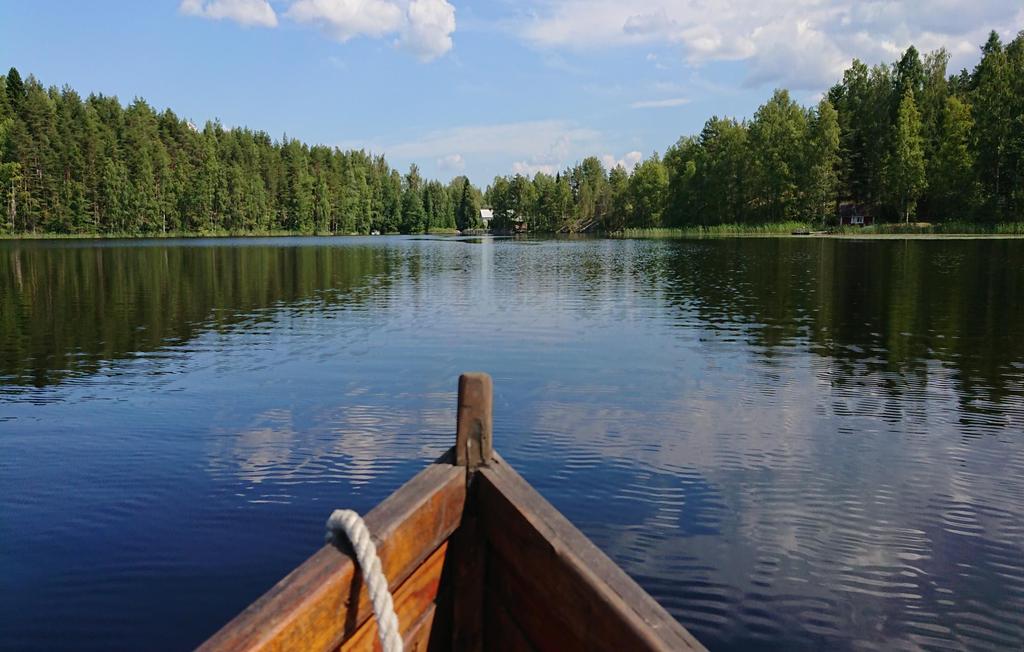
[[375, 232], [475, 559]]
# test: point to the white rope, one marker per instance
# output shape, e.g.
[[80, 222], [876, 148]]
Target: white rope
[[348, 522]]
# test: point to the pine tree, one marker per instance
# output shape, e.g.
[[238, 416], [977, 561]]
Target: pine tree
[[10, 180], [467, 216], [322, 211], [992, 121], [392, 203], [15, 89]]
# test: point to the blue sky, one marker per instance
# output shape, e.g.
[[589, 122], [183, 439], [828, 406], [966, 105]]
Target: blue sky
[[480, 88]]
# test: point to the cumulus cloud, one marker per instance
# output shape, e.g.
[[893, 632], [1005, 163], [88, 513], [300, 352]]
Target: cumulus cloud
[[429, 27], [660, 104], [423, 27], [344, 19], [627, 162], [530, 169], [451, 163], [803, 44], [654, 23], [243, 12]]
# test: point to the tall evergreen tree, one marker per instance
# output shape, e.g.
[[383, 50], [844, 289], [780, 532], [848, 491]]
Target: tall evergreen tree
[[993, 124], [467, 215], [414, 217]]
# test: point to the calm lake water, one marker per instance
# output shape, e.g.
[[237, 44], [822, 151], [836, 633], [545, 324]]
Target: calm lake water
[[791, 443]]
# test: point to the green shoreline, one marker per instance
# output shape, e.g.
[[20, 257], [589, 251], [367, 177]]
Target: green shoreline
[[949, 229], [179, 235], [787, 229]]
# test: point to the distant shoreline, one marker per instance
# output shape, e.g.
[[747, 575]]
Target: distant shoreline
[[1010, 230], [805, 230], [192, 235]]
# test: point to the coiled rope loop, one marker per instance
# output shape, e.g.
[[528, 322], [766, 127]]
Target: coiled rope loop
[[348, 522]]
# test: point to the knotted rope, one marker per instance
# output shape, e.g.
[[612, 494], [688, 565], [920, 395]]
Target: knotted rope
[[347, 521]]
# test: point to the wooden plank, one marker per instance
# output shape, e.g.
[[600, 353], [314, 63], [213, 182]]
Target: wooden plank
[[503, 633], [566, 576], [468, 583], [418, 637], [528, 608], [322, 602], [473, 437], [415, 597]]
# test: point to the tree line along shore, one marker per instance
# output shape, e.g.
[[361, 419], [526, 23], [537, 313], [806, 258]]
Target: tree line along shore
[[905, 142]]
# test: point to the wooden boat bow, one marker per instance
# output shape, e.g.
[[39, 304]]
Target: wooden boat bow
[[475, 558]]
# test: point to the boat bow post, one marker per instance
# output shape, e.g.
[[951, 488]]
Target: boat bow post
[[474, 439]]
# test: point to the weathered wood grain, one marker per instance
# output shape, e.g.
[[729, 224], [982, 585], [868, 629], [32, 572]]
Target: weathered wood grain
[[412, 599], [556, 583], [473, 436], [418, 637], [322, 602]]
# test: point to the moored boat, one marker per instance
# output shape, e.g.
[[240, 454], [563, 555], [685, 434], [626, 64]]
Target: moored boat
[[475, 559]]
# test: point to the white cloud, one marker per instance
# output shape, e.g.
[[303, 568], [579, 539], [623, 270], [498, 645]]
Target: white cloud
[[550, 139], [517, 147], [243, 12], [627, 162], [660, 104], [804, 44], [549, 161], [424, 27], [344, 19], [451, 163], [531, 169], [428, 30]]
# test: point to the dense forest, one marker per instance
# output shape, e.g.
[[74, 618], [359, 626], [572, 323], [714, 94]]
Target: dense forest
[[93, 166], [905, 141]]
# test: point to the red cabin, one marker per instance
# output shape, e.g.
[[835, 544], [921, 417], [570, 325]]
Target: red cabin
[[851, 214]]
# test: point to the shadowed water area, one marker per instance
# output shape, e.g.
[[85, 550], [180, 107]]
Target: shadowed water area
[[791, 443]]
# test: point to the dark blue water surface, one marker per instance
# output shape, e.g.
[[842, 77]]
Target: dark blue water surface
[[791, 443]]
